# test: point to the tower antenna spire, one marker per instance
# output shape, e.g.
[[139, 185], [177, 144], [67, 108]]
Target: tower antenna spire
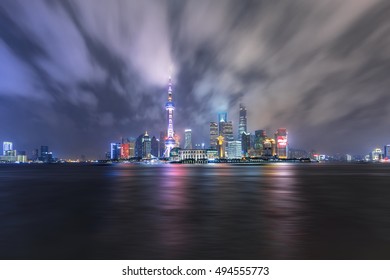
[[170, 107]]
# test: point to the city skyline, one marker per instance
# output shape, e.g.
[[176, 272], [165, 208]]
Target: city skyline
[[75, 84]]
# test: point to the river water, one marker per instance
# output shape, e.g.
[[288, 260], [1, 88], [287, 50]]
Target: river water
[[214, 211]]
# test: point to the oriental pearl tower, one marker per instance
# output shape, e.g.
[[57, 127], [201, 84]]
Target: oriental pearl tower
[[170, 107]]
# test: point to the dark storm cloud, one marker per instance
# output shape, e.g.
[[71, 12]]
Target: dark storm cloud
[[78, 74]]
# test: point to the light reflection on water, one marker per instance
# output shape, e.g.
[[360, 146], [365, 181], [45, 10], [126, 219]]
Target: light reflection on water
[[284, 211], [275, 211]]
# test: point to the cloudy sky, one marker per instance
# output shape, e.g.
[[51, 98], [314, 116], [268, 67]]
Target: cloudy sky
[[77, 75]]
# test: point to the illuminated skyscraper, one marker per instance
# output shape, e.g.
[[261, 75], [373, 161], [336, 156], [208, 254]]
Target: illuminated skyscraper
[[188, 139], [125, 150], [227, 131], [115, 151], [376, 154], [139, 146], [163, 136], [387, 152], [281, 143], [170, 107], [7, 146], [245, 143], [222, 118], [213, 135], [269, 147], [155, 143], [146, 146], [234, 150], [242, 124], [260, 136]]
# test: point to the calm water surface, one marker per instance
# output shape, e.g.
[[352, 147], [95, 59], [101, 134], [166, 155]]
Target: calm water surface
[[275, 211]]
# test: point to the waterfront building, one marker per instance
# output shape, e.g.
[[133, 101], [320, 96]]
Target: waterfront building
[[297, 153], [138, 146], [35, 155], [155, 145], [188, 139], [376, 154], [125, 151], [46, 156], [174, 155], [198, 155], [212, 154], [115, 151], [194, 154], [213, 135], [131, 143], [11, 153], [7, 146], [233, 150], [387, 152], [260, 136], [146, 146], [242, 123], [245, 143], [281, 143], [269, 147], [163, 137]]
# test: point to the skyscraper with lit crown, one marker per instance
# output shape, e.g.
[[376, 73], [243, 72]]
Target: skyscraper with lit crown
[[170, 107]]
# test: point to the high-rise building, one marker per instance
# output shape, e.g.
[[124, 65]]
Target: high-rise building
[[46, 156], [115, 151], [188, 139], [260, 136], [227, 131], [234, 150], [170, 142], [138, 146], [222, 118], [213, 135], [245, 143], [155, 145], [242, 124], [177, 140], [35, 155], [269, 147], [387, 152], [376, 154], [7, 146], [125, 151], [281, 143], [163, 137], [146, 146]]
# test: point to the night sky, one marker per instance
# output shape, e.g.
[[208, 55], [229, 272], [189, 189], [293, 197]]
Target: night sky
[[77, 75]]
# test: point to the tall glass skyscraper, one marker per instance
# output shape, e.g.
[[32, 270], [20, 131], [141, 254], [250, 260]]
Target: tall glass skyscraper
[[213, 135], [146, 146], [227, 131], [222, 118], [188, 139], [242, 124]]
